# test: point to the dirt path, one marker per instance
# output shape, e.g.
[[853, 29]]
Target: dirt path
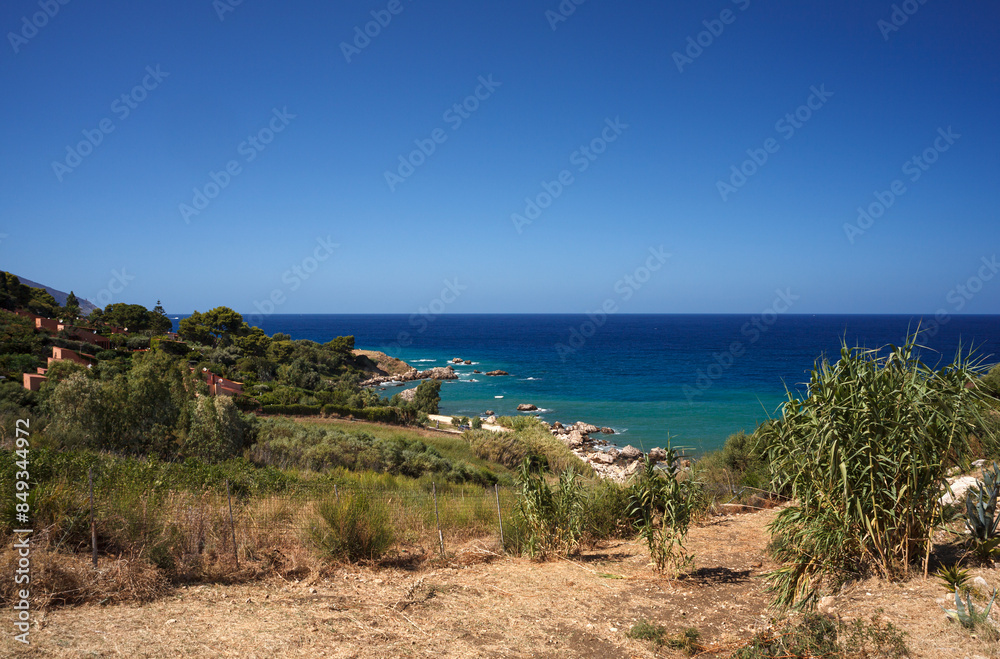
[[477, 605]]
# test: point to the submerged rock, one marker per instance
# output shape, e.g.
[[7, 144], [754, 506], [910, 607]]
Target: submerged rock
[[497, 372]]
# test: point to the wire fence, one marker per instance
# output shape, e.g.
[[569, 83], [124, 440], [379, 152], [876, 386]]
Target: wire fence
[[217, 522]]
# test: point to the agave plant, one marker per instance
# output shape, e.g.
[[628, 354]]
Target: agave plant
[[980, 513], [954, 577], [965, 612]]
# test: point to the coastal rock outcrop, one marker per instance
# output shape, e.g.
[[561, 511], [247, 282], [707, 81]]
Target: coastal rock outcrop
[[586, 428], [630, 453], [601, 458], [608, 431], [526, 407], [408, 395], [657, 454], [436, 373], [497, 372], [457, 360]]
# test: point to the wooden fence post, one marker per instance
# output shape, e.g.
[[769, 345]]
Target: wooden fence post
[[437, 518], [232, 526], [93, 524], [496, 491]]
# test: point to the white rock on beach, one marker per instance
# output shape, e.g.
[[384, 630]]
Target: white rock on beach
[[959, 486]]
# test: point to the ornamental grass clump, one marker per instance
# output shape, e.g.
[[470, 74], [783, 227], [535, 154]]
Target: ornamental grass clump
[[865, 456]]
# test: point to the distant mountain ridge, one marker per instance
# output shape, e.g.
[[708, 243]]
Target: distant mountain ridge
[[86, 306]]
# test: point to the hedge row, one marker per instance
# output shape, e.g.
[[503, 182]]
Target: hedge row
[[379, 414], [296, 410]]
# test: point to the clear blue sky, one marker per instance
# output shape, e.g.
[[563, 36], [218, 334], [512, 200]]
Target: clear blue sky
[[322, 176]]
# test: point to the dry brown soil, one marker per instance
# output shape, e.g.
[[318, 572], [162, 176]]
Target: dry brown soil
[[478, 604]]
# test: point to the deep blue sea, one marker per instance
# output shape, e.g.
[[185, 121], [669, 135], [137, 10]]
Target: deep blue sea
[[693, 378]]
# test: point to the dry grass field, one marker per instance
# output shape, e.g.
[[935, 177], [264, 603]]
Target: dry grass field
[[475, 603]]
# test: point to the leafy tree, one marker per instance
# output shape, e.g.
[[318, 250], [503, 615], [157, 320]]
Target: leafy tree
[[13, 294], [133, 317], [159, 323], [212, 326], [218, 431], [428, 397], [43, 303], [63, 370], [341, 344], [71, 310], [18, 335], [255, 343]]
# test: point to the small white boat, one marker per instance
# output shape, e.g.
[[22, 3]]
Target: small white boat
[[498, 396]]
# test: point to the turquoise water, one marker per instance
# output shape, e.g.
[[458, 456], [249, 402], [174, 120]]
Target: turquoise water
[[693, 378]]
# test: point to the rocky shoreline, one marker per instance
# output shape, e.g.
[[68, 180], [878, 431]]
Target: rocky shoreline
[[608, 461], [436, 373], [614, 464]]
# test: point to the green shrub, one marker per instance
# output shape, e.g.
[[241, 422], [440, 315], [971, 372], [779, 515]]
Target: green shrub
[[606, 512], [865, 457], [551, 521], [520, 422], [291, 410], [353, 527], [286, 444], [991, 381], [511, 448], [671, 498], [647, 631], [818, 636], [476, 423]]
